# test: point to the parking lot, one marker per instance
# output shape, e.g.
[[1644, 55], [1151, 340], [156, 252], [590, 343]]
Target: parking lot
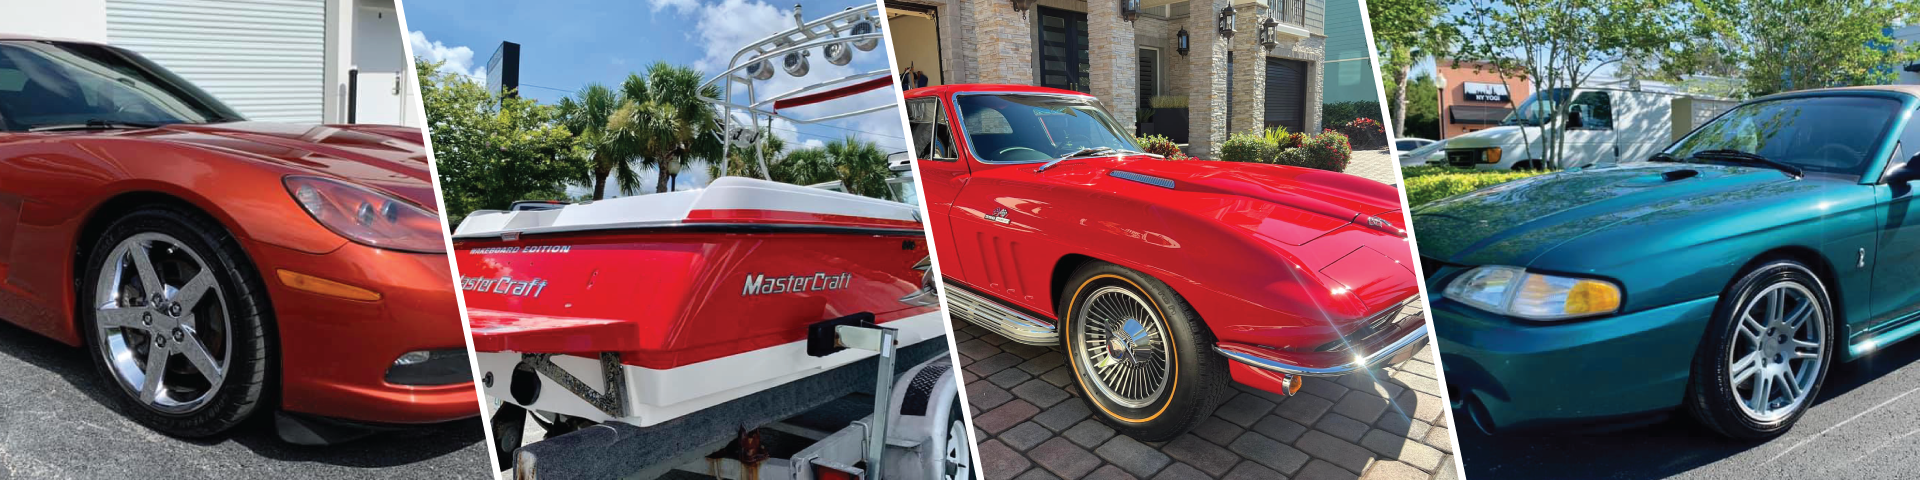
[[1030, 425], [56, 422], [1866, 425]]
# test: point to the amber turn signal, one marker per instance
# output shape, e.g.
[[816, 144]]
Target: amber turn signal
[[309, 283]]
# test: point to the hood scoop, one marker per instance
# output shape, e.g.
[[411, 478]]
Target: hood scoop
[[1678, 175], [1658, 179], [1146, 179]]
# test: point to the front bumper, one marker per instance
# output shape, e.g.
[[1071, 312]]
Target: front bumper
[[1504, 374], [336, 354], [1402, 336]]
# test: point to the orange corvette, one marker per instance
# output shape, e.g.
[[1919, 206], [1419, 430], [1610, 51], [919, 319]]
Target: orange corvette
[[218, 268]]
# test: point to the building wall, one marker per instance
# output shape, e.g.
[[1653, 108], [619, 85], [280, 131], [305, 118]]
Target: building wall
[[68, 19], [1453, 78], [1350, 75]]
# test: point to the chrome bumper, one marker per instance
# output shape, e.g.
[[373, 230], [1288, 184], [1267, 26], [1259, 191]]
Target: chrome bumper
[[1407, 346]]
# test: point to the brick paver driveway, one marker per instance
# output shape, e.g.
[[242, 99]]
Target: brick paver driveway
[[1030, 425], [1377, 165]]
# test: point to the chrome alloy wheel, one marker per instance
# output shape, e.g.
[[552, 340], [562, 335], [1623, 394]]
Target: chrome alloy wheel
[[1775, 358], [1123, 345], [162, 324], [959, 460]]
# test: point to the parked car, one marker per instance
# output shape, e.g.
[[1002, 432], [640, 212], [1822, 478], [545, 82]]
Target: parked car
[[1430, 153], [1407, 144], [1604, 126], [218, 269], [1722, 278], [1159, 279]]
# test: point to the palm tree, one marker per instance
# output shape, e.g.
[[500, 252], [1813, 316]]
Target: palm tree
[[861, 166], [667, 119], [587, 118]]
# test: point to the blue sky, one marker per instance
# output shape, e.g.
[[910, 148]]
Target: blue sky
[[566, 44]]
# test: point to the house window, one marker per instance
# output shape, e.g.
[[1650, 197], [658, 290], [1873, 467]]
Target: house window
[[1149, 75]]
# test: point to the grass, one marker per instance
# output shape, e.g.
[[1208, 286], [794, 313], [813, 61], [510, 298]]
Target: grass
[[1427, 184]]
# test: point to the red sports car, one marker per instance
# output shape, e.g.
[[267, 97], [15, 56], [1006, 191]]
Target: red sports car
[[216, 267], [1160, 279]]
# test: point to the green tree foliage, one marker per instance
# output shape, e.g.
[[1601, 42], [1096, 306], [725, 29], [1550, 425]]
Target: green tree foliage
[[861, 167], [491, 150], [1422, 119], [656, 120], [1783, 45], [742, 163], [587, 116]]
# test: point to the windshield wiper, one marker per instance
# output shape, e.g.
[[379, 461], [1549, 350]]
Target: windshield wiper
[[1663, 157], [1081, 153], [1738, 156], [95, 124]]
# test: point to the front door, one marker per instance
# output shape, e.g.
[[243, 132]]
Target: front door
[[1064, 61], [942, 173]]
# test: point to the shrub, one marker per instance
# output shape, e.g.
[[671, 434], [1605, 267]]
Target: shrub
[[1327, 151], [1247, 147], [1366, 133], [1279, 138], [1339, 113], [1167, 101], [1296, 157], [1429, 184], [1162, 146]]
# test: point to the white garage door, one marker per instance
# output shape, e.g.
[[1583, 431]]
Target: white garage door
[[264, 58]]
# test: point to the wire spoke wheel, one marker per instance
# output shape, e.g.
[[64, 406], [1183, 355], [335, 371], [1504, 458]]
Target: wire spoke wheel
[[1774, 360], [1124, 346], [162, 324]]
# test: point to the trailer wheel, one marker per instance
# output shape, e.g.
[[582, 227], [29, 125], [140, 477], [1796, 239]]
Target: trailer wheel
[[1140, 352], [958, 453]]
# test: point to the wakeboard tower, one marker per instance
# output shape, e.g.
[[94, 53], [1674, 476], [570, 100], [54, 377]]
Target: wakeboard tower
[[706, 330]]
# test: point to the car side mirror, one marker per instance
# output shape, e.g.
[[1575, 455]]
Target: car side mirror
[[1905, 173]]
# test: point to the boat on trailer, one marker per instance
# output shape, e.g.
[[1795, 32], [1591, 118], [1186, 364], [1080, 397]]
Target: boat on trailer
[[720, 331]]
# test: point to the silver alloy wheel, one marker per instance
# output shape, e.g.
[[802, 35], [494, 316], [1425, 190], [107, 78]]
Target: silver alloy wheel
[[1124, 347], [1776, 356], [157, 308], [959, 460]]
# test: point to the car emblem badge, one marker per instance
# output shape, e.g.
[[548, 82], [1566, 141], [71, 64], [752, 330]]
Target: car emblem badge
[[998, 216]]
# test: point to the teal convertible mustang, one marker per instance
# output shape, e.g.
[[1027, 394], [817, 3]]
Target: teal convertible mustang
[[1723, 275]]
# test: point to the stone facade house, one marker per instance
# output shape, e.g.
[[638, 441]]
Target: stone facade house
[[1230, 83]]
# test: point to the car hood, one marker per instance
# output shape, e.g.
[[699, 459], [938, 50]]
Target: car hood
[[1515, 223], [1337, 196], [388, 158]]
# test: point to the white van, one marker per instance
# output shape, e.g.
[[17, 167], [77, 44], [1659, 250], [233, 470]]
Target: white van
[[1604, 126]]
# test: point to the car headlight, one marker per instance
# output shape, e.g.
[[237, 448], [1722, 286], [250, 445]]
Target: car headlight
[[368, 217], [1513, 291]]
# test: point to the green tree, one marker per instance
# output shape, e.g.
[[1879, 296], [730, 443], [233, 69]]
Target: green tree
[[662, 115], [1405, 32], [1423, 108], [861, 167], [491, 150], [608, 154], [1783, 45]]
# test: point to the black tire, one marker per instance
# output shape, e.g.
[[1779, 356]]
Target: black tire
[[1199, 376], [1712, 394], [246, 378]]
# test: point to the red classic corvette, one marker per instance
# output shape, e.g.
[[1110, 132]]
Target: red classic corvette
[[1160, 279], [213, 265]]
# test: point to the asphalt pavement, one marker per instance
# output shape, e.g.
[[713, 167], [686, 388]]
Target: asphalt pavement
[[1865, 425], [56, 422]]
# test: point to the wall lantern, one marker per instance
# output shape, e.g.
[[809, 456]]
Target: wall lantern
[[1022, 5], [1226, 22], [1268, 32], [1129, 9], [1180, 41]]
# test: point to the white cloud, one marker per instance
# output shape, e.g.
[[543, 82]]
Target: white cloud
[[459, 60], [678, 6]]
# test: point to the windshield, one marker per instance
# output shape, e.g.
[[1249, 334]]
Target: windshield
[[1537, 108], [1022, 128], [45, 84], [1837, 134]]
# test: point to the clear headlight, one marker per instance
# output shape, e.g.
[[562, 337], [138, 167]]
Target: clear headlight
[[1513, 291], [368, 217]]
